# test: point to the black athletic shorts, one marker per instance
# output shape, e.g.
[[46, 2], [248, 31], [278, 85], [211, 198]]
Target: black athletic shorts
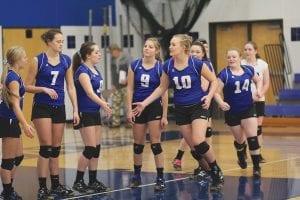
[[152, 112], [9, 128], [260, 108], [56, 113], [186, 114], [89, 119], [234, 119]]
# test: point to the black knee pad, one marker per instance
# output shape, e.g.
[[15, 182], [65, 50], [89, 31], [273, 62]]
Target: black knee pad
[[202, 148], [138, 148], [156, 148], [259, 130], [253, 143], [208, 132], [18, 160], [55, 152], [8, 163], [97, 153], [89, 152], [45, 151], [196, 155], [238, 146]]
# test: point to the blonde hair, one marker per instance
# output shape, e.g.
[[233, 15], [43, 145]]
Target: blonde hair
[[235, 49], [13, 54], [157, 47], [185, 40]]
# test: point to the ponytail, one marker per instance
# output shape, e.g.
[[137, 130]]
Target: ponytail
[[4, 92], [76, 61]]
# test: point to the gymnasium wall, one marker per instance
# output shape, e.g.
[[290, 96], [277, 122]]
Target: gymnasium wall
[[237, 10]]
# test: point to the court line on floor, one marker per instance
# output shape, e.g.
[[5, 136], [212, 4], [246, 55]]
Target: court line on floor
[[176, 179]]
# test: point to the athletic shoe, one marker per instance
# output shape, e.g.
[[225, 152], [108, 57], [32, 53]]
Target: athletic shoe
[[177, 164], [160, 184], [135, 181], [256, 172], [98, 187], [217, 180], [80, 186], [62, 190], [44, 194], [201, 176], [12, 196]]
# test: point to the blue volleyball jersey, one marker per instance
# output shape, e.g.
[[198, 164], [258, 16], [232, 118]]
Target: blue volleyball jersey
[[51, 77], [186, 82], [237, 89], [85, 104], [209, 65], [7, 112], [145, 80]]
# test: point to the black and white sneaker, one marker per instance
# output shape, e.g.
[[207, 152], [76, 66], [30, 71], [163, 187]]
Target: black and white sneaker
[[62, 190], [98, 187]]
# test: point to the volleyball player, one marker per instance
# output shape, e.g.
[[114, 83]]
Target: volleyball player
[[261, 68], [89, 83], [184, 73], [11, 115], [143, 78], [46, 79], [240, 115]]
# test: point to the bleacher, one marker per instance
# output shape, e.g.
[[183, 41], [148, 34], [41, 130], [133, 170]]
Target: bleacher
[[287, 110]]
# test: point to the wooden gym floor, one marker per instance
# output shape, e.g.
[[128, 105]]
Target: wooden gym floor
[[280, 175]]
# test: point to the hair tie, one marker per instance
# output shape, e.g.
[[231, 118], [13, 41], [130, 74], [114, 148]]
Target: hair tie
[[4, 62]]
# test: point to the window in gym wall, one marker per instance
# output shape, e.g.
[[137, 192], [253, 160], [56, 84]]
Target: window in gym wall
[[71, 42], [105, 41], [295, 34], [87, 38], [127, 42]]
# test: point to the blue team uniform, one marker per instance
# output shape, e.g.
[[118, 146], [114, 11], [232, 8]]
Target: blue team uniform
[[7, 112], [187, 82], [237, 89], [85, 104], [145, 80], [51, 77], [209, 65]]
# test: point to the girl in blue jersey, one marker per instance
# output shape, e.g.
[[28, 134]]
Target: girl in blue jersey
[[46, 79], [198, 51], [143, 78], [11, 115], [89, 84], [240, 115], [184, 72]]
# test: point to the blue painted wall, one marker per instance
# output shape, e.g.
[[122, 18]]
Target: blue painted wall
[[52, 13]]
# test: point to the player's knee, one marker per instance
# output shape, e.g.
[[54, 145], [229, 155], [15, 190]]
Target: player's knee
[[196, 155], [156, 148], [259, 130], [239, 146], [208, 132], [202, 148], [55, 151], [45, 151], [138, 148], [89, 152], [253, 143], [8, 164], [18, 160], [97, 152]]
